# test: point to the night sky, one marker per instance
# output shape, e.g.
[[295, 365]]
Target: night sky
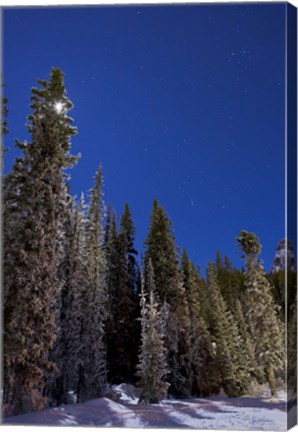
[[180, 103]]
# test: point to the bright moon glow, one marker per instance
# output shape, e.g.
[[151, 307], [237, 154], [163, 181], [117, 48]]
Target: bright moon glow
[[58, 107]]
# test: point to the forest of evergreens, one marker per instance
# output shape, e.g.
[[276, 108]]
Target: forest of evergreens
[[82, 311]]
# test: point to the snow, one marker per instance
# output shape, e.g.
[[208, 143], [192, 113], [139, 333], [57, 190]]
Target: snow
[[223, 414], [130, 418], [122, 390], [68, 420], [182, 418], [218, 413]]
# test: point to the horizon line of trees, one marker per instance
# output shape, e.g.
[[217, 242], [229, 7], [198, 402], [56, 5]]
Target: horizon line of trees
[[81, 312]]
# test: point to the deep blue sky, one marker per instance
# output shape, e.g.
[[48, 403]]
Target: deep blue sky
[[182, 103]]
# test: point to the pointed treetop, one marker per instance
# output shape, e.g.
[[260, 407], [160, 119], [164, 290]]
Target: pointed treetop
[[126, 223], [99, 176], [184, 255], [211, 269], [51, 94], [159, 220]]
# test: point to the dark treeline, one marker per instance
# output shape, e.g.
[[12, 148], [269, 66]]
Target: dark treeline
[[82, 311]]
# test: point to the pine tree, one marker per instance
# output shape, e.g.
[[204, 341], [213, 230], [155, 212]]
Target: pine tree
[[241, 351], [219, 323], [14, 207], [122, 345], [111, 251], [246, 355], [231, 284], [34, 193], [262, 313], [152, 368], [232, 366], [110, 234], [161, 250], [230, 281], [93, 371], [67, 351], [199, 348]]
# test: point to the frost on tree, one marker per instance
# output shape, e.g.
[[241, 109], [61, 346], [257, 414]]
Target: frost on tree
[[93, 367], [33, 231], [267, 330], [152, 367], [162, 251]]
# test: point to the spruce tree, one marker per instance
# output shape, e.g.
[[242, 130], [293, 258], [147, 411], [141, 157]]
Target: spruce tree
[[110, 236], [262, 313], [14, 206], [93, 371], [230, 281], [152, 367], [67, 350], [199, 349], [232, 368], [111, 251], [246, 355], [231, 284], [161, 250], [122, 344], [34, 194], [218, 324]]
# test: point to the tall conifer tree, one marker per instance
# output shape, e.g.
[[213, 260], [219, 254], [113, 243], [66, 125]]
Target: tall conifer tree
[[152, 367], [262, 313], [230, 280], [231, 367], [111, 250], [199, 355], [122, 349], [161, 250], [34, 193], [67, 350], [93, 371]]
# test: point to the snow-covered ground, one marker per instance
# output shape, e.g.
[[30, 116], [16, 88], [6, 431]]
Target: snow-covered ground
[[246, 413]]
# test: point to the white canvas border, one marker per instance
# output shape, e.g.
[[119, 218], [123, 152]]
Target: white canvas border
[[53, 3]]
